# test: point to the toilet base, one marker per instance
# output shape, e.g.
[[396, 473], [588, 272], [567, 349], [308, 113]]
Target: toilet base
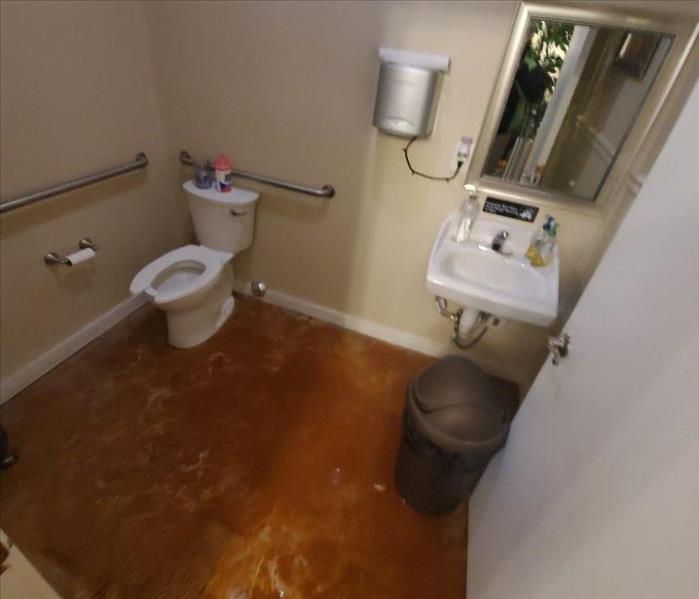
[[191, 326]]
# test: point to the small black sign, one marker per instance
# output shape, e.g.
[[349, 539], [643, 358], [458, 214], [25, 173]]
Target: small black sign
[[510, 209]]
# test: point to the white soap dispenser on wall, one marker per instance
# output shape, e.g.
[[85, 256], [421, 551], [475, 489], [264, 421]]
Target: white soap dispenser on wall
[[467, 215]]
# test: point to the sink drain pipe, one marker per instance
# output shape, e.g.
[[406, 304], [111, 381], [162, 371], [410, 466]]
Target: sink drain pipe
[[469, 325]]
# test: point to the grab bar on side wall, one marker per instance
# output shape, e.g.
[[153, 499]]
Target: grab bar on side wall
[[326, 191], [139, 162]]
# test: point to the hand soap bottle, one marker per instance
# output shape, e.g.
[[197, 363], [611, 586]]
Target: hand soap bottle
[[466, 217], [543, 243]]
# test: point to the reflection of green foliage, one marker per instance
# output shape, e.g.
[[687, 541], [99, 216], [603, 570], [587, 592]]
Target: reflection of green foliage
[[547, 47], [546, 50]]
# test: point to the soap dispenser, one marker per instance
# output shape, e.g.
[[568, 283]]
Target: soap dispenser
[[543, 244], [548, 248], [467, 215]]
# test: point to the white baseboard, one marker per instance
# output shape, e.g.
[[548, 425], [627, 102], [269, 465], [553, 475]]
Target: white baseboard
[[347, 321], [13, 384], [379, 331]]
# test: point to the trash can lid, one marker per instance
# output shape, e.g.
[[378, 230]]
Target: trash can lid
[[455, 404], [454, 380]]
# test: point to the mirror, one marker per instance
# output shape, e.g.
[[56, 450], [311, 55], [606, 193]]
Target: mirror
[[575, 95]]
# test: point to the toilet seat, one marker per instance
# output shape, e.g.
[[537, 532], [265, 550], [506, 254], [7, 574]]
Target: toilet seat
[[210, 261]]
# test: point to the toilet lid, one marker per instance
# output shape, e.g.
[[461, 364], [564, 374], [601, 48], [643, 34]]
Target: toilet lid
[[210, 260]]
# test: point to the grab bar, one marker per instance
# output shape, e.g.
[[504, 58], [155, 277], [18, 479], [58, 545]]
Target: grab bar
[[326, 191], [140, 161]]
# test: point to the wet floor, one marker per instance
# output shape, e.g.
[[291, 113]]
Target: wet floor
[[256, 465]]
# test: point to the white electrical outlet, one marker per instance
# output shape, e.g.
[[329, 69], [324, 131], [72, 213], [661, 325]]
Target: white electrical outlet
[[462, 152]]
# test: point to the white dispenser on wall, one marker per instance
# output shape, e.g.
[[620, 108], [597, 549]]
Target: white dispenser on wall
[[408, 92]]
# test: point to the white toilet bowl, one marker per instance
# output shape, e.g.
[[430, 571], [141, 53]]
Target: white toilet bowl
[[193, 284]]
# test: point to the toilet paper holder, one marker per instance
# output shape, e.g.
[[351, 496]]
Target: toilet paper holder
[[53, 258]]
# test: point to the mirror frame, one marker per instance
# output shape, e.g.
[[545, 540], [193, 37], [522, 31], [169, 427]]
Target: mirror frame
[[684, 33]]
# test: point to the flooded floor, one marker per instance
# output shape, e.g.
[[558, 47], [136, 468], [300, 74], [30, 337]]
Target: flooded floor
[[256, 465]]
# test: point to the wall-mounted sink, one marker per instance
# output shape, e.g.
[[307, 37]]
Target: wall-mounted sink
[[504, 284]]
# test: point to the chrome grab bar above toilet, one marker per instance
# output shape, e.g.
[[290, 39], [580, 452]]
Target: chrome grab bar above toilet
[[141, 161], [326, 191]]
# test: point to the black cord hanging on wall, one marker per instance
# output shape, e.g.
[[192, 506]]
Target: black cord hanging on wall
[[459, 164]]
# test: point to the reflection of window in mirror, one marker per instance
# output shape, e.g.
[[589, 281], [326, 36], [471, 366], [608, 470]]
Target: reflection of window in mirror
[[574, 97]]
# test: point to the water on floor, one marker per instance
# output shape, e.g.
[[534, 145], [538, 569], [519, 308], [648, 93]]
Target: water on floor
[[256, 465]]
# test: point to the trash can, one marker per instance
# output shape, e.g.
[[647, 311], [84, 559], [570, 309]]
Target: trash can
[[454, 421]]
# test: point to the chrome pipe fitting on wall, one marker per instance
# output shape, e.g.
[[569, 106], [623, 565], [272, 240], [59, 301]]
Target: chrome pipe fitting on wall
[[443, 308], [258, 288], [482, 323]]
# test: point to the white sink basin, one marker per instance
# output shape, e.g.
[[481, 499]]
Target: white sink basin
[[472, 275]]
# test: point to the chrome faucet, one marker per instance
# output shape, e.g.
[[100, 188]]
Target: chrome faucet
[[499, 241]]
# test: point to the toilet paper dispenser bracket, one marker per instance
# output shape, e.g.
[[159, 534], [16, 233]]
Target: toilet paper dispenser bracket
[[53, 258]]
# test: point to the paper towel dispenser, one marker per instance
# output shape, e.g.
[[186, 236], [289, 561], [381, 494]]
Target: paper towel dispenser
[[408, 92]]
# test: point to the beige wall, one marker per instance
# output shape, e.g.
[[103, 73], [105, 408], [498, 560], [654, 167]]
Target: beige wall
[[77, 96], [288, 89]]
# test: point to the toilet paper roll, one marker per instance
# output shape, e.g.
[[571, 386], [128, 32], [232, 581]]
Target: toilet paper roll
[[81, 256]]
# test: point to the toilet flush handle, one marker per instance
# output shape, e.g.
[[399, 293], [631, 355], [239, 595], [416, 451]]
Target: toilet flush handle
[[237, 213]]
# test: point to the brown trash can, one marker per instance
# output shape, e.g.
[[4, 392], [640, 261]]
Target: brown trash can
[[454, 421]]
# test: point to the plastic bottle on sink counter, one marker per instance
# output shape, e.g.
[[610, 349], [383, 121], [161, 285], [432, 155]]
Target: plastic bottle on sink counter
[[543, 244], [222, 173]]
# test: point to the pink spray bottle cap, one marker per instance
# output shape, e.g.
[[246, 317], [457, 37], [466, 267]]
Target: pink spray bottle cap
[[222, 163]]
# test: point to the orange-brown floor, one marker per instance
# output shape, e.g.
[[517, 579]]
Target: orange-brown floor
[[258, 464]]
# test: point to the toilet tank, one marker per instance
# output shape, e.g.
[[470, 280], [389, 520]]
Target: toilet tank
[[222, 221]]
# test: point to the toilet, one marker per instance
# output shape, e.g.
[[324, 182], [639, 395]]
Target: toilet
[[193, 284]]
